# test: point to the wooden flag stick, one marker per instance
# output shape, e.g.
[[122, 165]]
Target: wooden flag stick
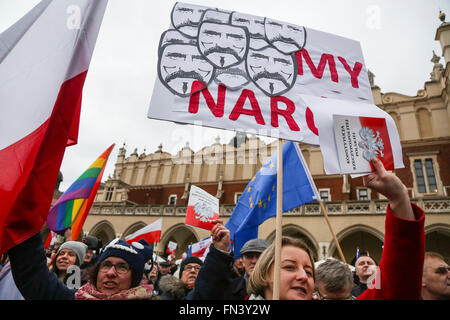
[[324, 210], [279, 223]]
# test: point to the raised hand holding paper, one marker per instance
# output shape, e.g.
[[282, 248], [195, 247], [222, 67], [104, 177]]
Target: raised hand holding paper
[[202, 209]]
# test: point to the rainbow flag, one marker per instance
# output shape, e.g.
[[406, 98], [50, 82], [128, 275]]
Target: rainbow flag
[[72, 207]]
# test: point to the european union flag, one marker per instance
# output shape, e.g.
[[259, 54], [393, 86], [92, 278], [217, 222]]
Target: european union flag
[[258, 202]]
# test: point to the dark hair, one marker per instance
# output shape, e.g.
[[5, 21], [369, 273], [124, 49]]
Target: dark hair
[[56, 270], [135, 280]]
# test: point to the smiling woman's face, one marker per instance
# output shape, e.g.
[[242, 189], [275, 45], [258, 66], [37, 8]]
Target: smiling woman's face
[[65, 259], [296, 275]]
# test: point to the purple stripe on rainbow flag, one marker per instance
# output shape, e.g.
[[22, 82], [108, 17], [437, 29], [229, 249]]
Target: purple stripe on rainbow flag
[[77, 194]]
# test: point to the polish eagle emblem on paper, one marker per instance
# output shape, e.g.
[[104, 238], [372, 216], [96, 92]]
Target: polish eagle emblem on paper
[[371, 143], [203, 212]]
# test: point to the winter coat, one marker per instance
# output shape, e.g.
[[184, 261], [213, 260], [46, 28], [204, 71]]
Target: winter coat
[[31, 274], [359, 289], [36, 282], [217, 280], [401, 265], [400, 268], [8, 289], [172, 288]]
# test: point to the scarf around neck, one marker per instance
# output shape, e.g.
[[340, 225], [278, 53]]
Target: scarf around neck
[[89, 292]]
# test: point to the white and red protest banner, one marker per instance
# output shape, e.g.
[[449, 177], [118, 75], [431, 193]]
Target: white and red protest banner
[[241, 72], [202, 209], [150, 233], [236, 71], [171, 247], [359, 140]]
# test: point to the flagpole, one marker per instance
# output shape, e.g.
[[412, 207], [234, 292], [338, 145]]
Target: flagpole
[[324, 210], [279, 223]]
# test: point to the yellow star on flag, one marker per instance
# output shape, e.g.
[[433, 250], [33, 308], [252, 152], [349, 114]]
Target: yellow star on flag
[[260, 203]]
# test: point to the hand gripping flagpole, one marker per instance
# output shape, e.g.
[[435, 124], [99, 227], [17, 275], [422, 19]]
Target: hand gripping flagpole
[[279, 223]]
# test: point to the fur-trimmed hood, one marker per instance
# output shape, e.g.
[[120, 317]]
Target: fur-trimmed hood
[[172, 288]]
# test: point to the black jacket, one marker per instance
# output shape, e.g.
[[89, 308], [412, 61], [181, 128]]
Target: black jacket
[[359, 289], [216, 279], [31, 274]]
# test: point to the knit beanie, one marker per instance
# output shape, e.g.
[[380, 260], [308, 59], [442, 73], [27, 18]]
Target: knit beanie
[[78, 247], [136, 254], [187, 261]]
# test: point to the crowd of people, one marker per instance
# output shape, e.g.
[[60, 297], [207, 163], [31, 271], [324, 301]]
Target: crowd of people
[[119, 270]]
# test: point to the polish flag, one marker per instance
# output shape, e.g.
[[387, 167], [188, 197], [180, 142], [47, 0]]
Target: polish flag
[[202, 209], [171, 247], [44, 59], [51, 238], [150, 233], [200, 249]]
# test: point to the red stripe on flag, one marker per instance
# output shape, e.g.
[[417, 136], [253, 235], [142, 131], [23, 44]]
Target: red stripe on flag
[[379, 124], [30, 168], [49, 240], [150, 237]]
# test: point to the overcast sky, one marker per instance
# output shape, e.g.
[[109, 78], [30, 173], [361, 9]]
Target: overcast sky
[[397, 40]]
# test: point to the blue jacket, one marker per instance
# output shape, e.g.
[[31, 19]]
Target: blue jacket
[[31, 274]]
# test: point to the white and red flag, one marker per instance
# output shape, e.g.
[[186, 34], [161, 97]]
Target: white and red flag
[[44, 59], [51, 238], [203, 208], [150, 233], [171, 247], [200, 249]]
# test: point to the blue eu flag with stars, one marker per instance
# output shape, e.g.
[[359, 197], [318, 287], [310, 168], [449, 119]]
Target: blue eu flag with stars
[[258, 202]]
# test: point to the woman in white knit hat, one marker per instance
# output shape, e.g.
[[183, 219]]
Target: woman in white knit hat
[[69, 253]]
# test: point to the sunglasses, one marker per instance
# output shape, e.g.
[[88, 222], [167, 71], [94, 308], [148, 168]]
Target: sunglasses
[[442, 270]]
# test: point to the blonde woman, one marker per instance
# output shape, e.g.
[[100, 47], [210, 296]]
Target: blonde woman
[[399, 274]]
